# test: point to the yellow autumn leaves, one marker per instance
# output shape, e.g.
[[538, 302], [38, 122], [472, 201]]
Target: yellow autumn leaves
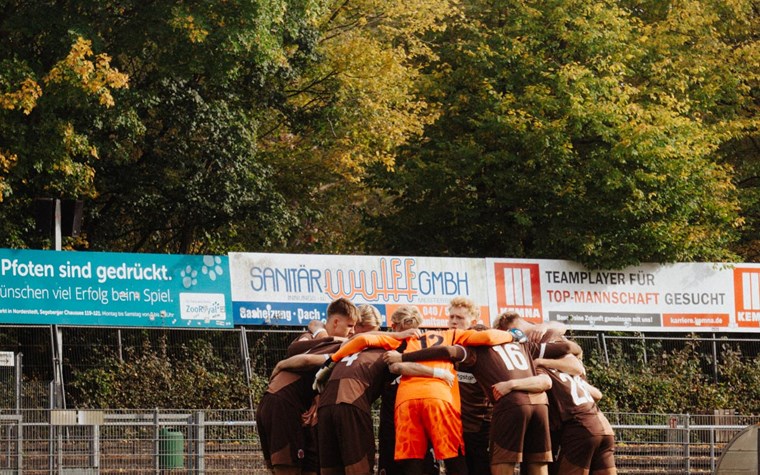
[[81, 67]]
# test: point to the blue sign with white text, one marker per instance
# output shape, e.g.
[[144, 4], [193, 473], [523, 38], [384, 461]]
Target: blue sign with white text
[[114, 289]]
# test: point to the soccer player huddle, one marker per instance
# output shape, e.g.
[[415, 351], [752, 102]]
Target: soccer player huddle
[[480, 400]]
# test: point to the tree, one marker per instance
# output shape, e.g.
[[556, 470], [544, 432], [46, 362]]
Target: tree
[[242, 127], [575, 130], [350, 113]]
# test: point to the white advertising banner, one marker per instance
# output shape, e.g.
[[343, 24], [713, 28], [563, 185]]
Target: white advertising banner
[[651, 297], [292, 289]]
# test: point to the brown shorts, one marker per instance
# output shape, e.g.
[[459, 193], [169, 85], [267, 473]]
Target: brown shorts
[[520, 433], [346, 440], [282, 435], [582, 452]]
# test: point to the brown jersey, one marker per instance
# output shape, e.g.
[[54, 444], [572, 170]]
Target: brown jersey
[[493, 364], [357, 379], [476, 407], [306, 342], [295, 386], [570, 401]]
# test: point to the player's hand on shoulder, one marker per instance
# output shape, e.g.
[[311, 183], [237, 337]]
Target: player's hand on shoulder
[[537, 332]]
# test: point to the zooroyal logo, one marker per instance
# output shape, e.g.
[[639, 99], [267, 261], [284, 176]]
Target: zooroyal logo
[[206, 307]]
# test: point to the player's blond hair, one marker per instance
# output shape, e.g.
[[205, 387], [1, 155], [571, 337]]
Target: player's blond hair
[[369, 316], [463, 302], [407, 311]]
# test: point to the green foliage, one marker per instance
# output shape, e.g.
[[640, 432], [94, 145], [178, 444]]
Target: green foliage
[[675, 382], [148, 377], [609, 133], [569, 131], [243, 124]]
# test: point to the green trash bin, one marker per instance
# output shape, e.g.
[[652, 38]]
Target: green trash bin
[[171, 449]]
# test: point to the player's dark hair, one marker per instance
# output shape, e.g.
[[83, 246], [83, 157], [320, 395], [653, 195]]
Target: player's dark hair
[[506, 320], [343, 306]]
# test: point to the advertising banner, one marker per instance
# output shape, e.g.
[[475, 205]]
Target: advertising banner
[[652, 297], [113, 289], [292, 289]]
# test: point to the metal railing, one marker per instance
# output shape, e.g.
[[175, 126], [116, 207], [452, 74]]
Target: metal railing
[[219, 442]]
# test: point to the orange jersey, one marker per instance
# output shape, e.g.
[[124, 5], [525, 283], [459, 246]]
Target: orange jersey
[[420, 387]]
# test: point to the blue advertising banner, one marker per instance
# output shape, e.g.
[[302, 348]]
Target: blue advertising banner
[[114, 289]]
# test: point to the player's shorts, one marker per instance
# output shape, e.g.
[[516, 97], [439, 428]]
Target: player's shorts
[[386, 441], [346, 440], [520, 433], [419, 421], [281, 433], [582, 452], [476, 450]]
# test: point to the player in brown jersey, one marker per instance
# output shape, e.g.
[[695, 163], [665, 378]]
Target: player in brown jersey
[[342, 316], [586, 439], [346, 435], [290, 448], [477, 409], [582, 437], [427, 411], [346, 439]]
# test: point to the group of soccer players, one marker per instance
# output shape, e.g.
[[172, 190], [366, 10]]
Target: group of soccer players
[[479, 400]]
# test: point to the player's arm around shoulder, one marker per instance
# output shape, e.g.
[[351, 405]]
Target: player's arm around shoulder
[[487, 337], [532, 384], [418, 369], [569, 364], [366, 340], [299, 362]]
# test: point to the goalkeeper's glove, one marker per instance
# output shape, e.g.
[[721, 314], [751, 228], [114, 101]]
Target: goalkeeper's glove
[[518, 335], [323, 374]]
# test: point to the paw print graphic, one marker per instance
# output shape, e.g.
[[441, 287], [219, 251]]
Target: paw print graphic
[[189, 277], [212, 267]]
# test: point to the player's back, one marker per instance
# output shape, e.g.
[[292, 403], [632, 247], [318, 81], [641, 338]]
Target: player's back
[[357, 379], [571, 400], [506, 362]]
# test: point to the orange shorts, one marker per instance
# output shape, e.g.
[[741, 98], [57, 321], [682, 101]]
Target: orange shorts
[[420, 422]]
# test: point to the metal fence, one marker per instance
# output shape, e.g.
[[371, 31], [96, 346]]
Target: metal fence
[[38, 434], [218, 442]]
